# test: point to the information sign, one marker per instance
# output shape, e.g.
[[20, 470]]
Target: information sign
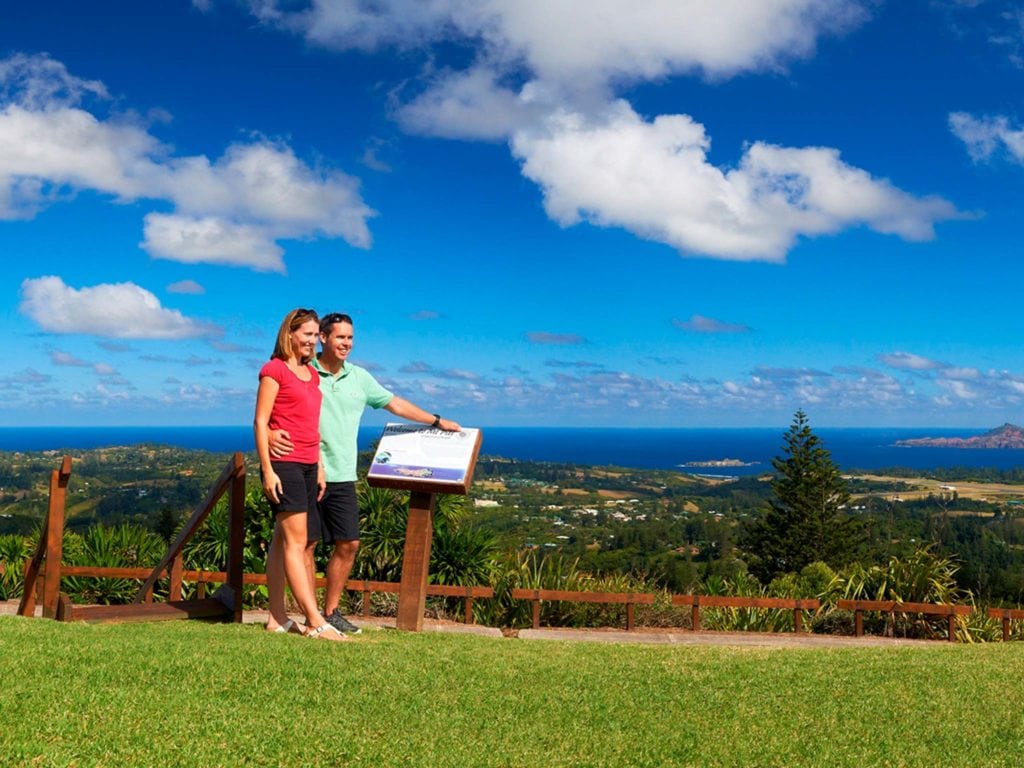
[[416, 457]]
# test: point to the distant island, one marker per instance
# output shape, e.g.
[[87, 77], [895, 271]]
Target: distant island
[[720, 463], [1006, 436]]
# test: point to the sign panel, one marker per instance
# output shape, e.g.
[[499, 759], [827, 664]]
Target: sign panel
[[416, 457]]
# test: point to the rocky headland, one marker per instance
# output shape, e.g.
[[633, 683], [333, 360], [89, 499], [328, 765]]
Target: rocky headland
[[1006, 436]]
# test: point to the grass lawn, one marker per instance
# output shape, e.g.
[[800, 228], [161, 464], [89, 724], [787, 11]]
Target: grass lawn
[[194, 694]]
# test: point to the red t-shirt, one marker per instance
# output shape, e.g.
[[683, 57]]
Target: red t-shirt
[[297, 410]]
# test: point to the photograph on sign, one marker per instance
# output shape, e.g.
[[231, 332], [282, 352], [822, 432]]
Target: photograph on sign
[[417, 452]]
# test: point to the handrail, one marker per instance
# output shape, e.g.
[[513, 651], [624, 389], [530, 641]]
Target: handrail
[[49, 547], [896, 606], [202, 578], [629, 598], [797, 605], [1005, 615]]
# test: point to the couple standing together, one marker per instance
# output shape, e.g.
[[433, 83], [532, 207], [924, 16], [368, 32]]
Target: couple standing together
[[308, 409]]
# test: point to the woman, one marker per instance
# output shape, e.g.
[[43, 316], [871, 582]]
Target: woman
[[289, 398]]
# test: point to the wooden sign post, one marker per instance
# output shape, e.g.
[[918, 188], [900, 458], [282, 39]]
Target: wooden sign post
[[424, 461]]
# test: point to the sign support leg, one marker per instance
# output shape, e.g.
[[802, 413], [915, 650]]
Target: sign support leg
[[419, 532]]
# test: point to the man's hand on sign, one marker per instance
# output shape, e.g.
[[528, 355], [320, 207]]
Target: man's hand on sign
[[280, 443]]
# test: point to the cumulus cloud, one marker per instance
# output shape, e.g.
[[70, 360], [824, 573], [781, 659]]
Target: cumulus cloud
[[231, 210], [543, 337], [653, 178], [470, 105], [986, 137], [118, 311], [701, 324], [561, 40], [543, 76]]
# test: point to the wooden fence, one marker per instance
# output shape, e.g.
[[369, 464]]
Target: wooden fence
[[44, 570], [893, 607]]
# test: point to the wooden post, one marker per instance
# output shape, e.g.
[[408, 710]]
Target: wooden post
[[236, 537], [695, 614], [55, 538], [536, 611], [174, 593], [419, 534], [64, 607], [798, 619], [1006, 627], [629, 617], [858, 622], [366, 597], [468, 616], [952, 626]]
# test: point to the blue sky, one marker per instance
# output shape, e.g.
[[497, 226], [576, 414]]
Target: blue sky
[[668, 213]]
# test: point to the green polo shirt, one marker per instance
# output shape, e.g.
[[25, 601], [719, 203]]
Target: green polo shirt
[[344, 398]]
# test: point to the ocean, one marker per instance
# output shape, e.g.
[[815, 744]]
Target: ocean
[[642, 448]]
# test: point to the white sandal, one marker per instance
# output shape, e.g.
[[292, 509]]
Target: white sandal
[[316, 633], [288, 626]]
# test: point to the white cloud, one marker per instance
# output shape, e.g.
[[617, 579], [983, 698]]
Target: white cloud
[[987, 136], [186, 286], [211, 240], [543, 75], [39, 82], [469, 105], [258, 192], [118, 311], [909, 361], [654, 179], [67, 359], [701, 324], [564, 40], [544, 337]]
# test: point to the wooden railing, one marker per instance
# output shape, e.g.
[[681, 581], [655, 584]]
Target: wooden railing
[[629, 598], [696, 602], [49, 549], [201, 579], [1005, 616], [893, 607], [46, 561]]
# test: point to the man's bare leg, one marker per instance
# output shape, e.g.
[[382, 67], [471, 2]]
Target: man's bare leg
[[339, 567]]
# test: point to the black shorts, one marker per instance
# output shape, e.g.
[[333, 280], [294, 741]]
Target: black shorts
[[338, 517], [298, 487]]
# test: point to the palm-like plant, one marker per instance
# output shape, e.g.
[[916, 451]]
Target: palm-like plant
[[921, 577], [14, 551], [122, 546]]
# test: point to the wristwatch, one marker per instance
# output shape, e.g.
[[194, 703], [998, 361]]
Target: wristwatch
[[437, 421]]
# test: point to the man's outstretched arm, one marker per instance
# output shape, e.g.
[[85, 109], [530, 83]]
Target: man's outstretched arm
[[411, 412]]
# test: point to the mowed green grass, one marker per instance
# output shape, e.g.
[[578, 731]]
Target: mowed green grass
[[195, 694]]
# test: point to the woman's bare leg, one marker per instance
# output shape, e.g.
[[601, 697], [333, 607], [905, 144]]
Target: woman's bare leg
[[293, 529], [276, 581]]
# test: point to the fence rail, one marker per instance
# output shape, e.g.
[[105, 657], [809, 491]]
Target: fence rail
[[629, 598], [895, 606], [1006, 615], [696, 602], [178, 576], [200, 606]]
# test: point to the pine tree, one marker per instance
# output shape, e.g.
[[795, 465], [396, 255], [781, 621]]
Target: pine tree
[[803, 523]]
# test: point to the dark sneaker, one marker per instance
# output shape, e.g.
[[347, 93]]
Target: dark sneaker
[[342, 624]]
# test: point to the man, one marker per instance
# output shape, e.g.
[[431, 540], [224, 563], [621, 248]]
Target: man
[[347, 389]]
